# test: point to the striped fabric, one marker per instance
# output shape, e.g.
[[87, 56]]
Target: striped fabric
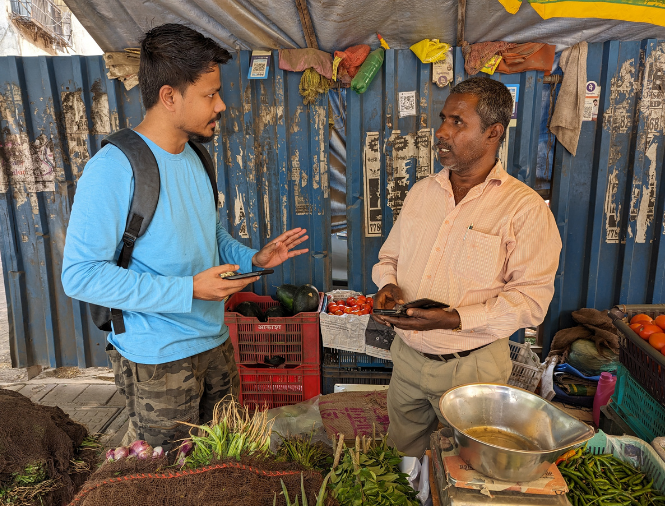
[[492, 257]]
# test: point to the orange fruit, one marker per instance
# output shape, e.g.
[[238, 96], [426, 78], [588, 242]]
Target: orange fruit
[[635, 326], [641, 318], [660, 321], [657, 340], [649, 329]]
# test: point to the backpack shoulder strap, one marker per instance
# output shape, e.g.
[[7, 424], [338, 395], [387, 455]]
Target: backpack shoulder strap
[[144, 202], [146, 181], [204, 155]]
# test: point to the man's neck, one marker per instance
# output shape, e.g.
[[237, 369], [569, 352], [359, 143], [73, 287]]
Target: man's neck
[[474, 175], [160, 131]]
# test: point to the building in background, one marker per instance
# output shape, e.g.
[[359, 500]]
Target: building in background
[[42, 28]]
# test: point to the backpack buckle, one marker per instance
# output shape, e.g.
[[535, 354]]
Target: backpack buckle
[[128, 239]]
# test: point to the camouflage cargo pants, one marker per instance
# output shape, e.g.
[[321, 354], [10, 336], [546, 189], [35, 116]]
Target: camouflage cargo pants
[[160, 396]]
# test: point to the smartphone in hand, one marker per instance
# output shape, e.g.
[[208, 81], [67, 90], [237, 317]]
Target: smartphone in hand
[[399, 311], [250, 274]]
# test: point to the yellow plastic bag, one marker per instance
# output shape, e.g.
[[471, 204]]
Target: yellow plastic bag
[[430, 51]]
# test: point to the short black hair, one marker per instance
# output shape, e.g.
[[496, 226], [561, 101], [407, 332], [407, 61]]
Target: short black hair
[[495, 103], [175, 55]]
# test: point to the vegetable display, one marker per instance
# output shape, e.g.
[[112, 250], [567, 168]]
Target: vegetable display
[[604, 480], [369, 474], [359, 305]]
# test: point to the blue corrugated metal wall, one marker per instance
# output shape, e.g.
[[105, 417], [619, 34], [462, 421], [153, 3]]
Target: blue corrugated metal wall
[[608, 200], [272, 161], [272, 165]]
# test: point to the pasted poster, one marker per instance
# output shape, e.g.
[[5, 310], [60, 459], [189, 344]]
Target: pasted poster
[[424, 140], [591, 101], [372, 170]]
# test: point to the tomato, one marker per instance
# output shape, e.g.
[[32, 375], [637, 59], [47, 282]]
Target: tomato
[[635, 326], [371, 301], [361, 299], [332, 308], [657, 340], [660, 321], [364, 311], [351, 301], [348, 310], [649, 329], [356, 312], [338, 313], [640, 318]]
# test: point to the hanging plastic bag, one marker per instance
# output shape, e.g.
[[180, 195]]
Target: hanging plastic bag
[[430, 51], [368, 70]]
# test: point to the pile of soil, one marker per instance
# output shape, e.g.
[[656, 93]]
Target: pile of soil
[[249, 482], [40, 441]]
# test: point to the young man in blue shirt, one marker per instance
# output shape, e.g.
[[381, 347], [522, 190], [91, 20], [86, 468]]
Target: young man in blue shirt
[[174, 361]]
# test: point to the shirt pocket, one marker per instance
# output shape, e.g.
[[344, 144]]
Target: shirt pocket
[[479, 258]]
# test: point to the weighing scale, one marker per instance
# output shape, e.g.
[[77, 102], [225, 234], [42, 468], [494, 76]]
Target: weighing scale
[[460, 485]]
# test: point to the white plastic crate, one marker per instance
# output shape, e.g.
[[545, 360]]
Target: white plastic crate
[[527, 369]]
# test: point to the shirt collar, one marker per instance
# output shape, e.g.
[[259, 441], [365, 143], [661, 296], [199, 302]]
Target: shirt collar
[[496, 174]]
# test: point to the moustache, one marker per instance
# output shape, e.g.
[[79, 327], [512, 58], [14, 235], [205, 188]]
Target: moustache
[[217, 118]]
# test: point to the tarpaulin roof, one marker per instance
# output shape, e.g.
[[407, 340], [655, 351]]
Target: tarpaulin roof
[[273, 24]]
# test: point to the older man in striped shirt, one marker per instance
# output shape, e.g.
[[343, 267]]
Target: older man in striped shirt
[[475, 238]]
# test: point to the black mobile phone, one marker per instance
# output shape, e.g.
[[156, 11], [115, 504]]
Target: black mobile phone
[[250, 274], [400, 310]]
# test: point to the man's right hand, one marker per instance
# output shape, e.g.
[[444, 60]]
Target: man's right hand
[[387, 298], [209, 286]]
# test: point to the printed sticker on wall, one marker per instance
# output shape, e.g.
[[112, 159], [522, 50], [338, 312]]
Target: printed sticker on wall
[[407, 104], [591, 101], [515, 92], [259, 65], [442, 71], [372, 169]]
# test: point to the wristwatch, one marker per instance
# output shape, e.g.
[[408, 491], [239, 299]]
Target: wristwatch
[[458, 328]]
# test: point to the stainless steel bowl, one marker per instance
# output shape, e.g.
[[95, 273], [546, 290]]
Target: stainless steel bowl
[[508, 433]]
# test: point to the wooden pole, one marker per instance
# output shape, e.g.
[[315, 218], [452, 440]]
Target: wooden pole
[[306, 22], [461, 20]]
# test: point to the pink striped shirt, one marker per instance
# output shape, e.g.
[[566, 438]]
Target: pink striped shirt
[[492, 257]]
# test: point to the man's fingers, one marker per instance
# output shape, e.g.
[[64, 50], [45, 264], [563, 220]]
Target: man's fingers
[[294, 241], [297, 252], [221, 269]]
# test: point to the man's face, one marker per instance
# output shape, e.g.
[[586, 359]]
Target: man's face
[[200, 107], [461, 140]]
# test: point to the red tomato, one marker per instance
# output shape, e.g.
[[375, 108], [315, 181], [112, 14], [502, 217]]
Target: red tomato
[[635, 326], [365, 311], [348, 310], [371, 301], [649, 329], [361, 299], [351, 301], [332, 308], [340, 303], [338, 313], [356, 312]]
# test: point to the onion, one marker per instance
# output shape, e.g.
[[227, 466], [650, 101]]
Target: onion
[[138, 446], [120, 453], [158, 452], [184, 449], [110, 454], [145, 454]]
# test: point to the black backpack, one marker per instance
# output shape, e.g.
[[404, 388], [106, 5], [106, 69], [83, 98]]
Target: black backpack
[[142, 209]]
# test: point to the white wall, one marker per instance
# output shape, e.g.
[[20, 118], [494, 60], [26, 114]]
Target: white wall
[[13, 42]]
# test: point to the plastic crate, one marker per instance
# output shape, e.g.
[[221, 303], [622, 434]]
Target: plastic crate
[[296, 338], [645, 363], [643, 414], [333, 374], [274, 387], [342, 359], [527, 369], [633, 451]]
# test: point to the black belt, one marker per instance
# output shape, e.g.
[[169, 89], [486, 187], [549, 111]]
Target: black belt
[[450, 356]]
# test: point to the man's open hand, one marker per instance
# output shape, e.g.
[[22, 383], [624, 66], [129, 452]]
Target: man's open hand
[[278, 251], [209, 286]]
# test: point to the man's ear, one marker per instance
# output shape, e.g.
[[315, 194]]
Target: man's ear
[[494, 133], [167, 96]]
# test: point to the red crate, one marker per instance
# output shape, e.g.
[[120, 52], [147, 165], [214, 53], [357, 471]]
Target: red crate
[[274, 387], [296, 338]]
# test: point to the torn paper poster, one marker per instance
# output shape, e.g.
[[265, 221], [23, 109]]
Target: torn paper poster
[[372, 170]]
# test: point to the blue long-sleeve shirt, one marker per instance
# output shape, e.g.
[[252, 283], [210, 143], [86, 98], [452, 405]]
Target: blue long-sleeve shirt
[[163, 322]]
